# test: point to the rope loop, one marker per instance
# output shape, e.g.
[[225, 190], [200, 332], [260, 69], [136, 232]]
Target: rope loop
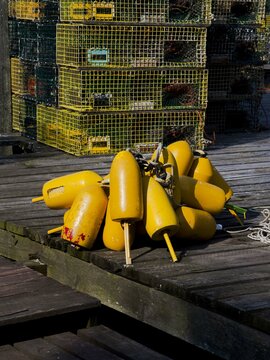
[[262, 233]]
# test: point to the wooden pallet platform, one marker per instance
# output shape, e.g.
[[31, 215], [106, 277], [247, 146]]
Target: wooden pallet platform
[[216, 297]]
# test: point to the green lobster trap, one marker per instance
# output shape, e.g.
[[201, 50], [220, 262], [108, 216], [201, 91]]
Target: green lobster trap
[[234, 115], [248, 12], [13, 37], [37, 41], [132, 90], [235, 82], [46, 84], [190, 12], [107, 133], [82, 45], [24, 116], [35, 10], [236, 45]]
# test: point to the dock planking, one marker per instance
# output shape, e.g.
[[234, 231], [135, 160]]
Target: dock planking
[[216, 297], [31, 303], [97, 343]]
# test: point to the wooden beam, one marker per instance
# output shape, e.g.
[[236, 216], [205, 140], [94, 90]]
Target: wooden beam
[[5, 90], [198, 326]]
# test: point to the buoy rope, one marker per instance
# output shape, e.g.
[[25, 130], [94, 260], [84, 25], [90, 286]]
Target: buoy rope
[[157, 169], [259, 233]]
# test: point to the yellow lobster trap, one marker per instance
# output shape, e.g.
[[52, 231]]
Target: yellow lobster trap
[[47, 125], [23, 79], [107, 133], [34, 10], [249, 12], [24, 116], [132, 90], [82, 45], [188, 12]]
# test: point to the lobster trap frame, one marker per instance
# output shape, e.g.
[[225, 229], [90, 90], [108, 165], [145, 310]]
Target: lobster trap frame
[[235, 115], [47, 126], [107, 133], [235, 82], [23, 78], [189, 12], [82, 45], [248, 12], [13, 37], [46, 84], [24, 116], [236, 45], [37, 41], [35, 10], [132, 90]]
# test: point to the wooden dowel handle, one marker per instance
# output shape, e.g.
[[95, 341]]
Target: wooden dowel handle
[[170, 247], [127, 244]]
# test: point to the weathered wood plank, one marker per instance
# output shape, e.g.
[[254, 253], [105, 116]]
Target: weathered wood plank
[[8, 352], [27, 296], [42, 350], [79, 347], [112, 341], [186, 321], [18, 248]]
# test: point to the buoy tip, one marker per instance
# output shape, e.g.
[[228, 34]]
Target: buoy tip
[[37, 199]]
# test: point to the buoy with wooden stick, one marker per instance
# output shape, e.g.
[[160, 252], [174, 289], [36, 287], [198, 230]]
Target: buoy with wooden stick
[[159, 216], [59, 193], [126, 200], [113, 232]]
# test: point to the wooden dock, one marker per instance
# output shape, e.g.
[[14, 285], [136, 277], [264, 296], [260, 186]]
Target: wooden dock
[[43, 319], [32, 304], [216, 297]]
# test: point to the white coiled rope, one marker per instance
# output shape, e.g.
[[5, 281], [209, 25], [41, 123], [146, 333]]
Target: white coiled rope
[[259, 233], [262, 232]]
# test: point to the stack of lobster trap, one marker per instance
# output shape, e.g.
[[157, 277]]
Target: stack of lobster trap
[[131, 74], [236, 52], [32, 31], [97, 77]]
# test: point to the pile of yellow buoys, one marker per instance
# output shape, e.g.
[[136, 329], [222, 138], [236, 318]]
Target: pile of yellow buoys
[[173, 195]]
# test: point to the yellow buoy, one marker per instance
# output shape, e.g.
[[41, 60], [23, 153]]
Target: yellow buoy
[[201, 169], [218, 180], [159, 216], [59, 193], [113, 233], [183, 155], [195, 224], [126, 194], [166, 160], [85, 216], [105, 183], [201, 195]]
